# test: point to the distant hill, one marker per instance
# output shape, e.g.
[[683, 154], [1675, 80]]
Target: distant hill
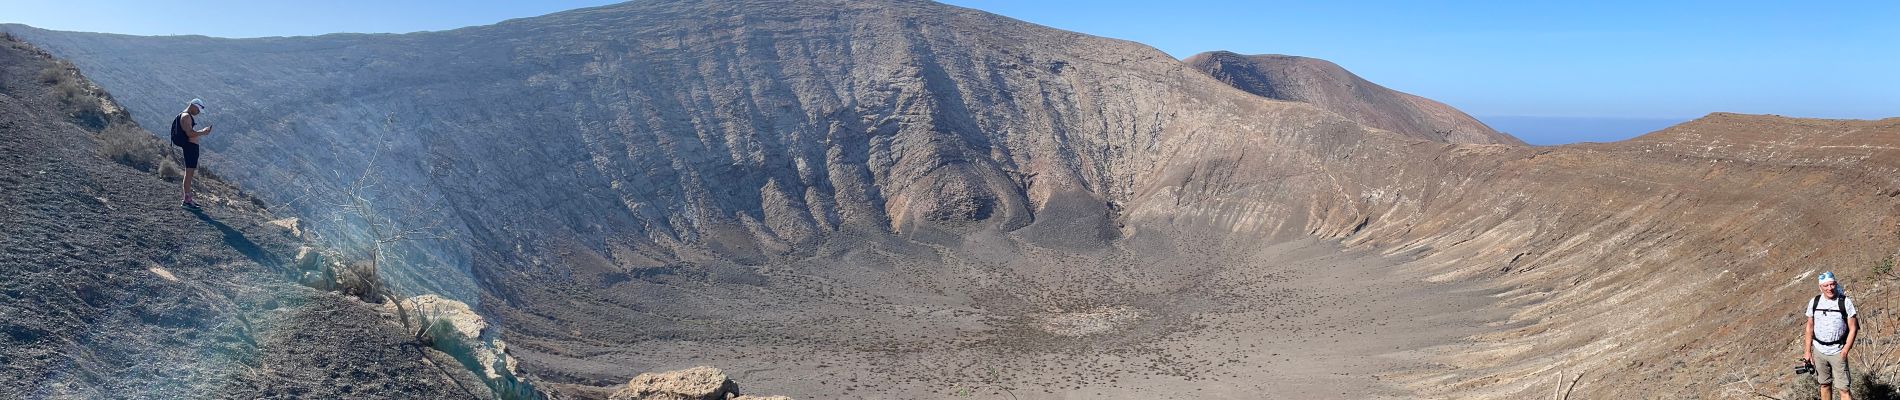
[[1326, 85]]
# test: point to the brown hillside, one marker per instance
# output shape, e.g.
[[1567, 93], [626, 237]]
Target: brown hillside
[[1667, 264], [1326, 85]]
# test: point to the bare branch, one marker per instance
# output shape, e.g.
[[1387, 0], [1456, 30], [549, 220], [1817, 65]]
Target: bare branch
[[1573, 386]]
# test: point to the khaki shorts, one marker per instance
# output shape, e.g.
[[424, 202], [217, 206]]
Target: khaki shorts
[[1830, 367]]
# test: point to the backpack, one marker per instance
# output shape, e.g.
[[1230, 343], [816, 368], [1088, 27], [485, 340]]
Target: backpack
[[1840, 307]]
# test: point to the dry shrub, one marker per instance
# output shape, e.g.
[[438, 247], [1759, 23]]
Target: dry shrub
[[53, 73], [133, 148], [360, 279], [170, 170], [1870, 386], [83, 103], [326, 270], [1867, 386]]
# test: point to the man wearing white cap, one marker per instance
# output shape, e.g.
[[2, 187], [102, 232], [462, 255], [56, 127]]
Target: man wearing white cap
[[185, 134], [1831, 329]]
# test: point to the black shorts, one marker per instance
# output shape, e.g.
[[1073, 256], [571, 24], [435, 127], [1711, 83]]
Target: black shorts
[[191, 152]]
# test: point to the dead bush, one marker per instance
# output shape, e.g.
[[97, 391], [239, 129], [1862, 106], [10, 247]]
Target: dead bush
[[359, 279], [1870, 386], [1867, 386], [170, 170], [53, 73], [133, 148], [82, 103], [325, 270]]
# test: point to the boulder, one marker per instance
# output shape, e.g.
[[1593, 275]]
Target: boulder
[[313, 268], [308, 258], [291, 225], [696, 383]]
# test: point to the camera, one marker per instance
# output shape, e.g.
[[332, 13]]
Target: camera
[[1806, 367]]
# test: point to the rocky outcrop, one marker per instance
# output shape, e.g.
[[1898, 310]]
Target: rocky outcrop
[[697, 383], [1330, 87], [452, 327]]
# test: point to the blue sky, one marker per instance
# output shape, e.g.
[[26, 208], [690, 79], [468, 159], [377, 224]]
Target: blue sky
[[1575, 58], [1597, 59]]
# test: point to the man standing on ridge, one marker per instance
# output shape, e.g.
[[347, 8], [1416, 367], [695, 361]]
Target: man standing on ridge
[[185, 134], [1831, 329]]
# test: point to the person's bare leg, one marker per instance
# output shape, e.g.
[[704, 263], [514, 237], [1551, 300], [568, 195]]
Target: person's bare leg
[[1827, 391], [185, 188], [1847, 394]]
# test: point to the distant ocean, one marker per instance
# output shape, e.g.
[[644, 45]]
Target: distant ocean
[[1550, 131]]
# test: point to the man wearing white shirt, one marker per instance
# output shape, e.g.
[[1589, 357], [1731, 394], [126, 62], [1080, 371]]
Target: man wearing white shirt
[[1831, 329]]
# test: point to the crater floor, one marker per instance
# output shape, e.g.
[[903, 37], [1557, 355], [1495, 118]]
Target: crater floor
[[1160, 315]]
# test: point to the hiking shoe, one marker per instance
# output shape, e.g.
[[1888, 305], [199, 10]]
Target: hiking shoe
[[191, 205]]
